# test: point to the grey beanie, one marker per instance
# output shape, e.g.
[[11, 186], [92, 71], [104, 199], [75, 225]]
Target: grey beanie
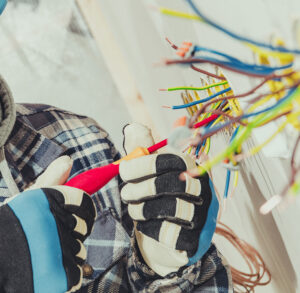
[[7, 122], [7, 112]]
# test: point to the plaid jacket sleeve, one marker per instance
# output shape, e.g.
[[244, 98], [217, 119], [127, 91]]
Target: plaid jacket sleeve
[[113, 256]]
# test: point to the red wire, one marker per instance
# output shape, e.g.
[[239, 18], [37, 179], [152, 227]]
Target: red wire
[[164, 142], [157, 146], [206, 121]]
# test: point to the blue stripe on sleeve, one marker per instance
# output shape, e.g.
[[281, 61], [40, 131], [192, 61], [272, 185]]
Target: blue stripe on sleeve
[[33, 211]]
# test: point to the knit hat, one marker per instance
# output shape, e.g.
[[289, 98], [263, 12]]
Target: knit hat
[[7, 112], [7, 121]]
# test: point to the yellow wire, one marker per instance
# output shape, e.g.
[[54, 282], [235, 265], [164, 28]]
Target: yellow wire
[[281, 55], [207, 146], [235, 178], [180, 14], [256, 149]]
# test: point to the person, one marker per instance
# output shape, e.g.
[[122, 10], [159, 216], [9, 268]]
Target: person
[[145, 231]]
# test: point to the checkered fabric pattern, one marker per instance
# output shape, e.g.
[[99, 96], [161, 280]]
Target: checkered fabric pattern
[[43, 133]]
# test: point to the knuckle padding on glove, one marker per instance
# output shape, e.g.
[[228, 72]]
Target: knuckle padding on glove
[[85, 210], [70, 246], [164, 185], [168, 163], [150, 166], [188, 237], [14, 254], [170, 208]]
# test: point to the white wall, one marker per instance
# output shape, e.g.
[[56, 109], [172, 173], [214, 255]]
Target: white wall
[[140, 33]]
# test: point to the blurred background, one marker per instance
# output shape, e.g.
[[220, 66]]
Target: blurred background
[[96, 57], [49, 56]]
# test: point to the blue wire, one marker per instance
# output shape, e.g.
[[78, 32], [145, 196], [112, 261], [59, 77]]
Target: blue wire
[[204, 142], [216, 128], [228, 175], [201, 101], [238, 37], [240, 63], [234, 134], [227, 183], [263, 70], [199, 48], [198, 148]]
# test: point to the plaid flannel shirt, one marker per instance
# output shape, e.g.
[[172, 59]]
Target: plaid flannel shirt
[[43, 133]]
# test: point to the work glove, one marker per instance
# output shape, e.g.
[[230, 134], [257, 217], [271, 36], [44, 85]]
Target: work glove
[[174, 220], [42, 233]]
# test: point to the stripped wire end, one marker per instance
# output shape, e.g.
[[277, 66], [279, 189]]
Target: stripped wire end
[[172, 44], [160, 63], [163, 90], [167, 107]]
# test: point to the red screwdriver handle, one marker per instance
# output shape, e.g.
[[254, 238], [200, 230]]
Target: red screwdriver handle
[[92, 180]]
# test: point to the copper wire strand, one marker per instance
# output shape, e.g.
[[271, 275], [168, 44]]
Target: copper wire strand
[[250, 92], [200, 60], [254, 261], [196, 68], [207, 73], [233, 120], [172, 44]]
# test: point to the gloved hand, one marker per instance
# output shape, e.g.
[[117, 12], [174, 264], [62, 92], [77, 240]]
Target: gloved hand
[[41, 236], [174, 220]]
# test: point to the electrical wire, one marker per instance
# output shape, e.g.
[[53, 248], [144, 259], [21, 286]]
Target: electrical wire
[[214, 130], [239, 37], [207, 73], [242, 135], [277, 199], [226, 65], [200, 101], [236, 62], [195, 88], [246, 94], [256, 265], [175, 47], [228, 175]]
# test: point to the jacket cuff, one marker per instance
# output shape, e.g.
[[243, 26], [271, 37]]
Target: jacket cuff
[[210, 273]]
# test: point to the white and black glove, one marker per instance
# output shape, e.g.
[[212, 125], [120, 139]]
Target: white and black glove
[[42, 233], [174, 220]]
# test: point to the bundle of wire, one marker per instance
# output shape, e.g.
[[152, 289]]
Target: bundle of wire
[[248, 120], [282, 100], [203, 18], [259, 118], [228, 62], [254, 261]]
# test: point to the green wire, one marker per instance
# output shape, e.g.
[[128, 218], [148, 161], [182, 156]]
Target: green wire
[[196, 88], [295, 189], [244, 132]]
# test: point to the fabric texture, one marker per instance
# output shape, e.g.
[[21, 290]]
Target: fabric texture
[[7, 112], [43, 133], [46, 228], [171, 215], [12, 257]]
